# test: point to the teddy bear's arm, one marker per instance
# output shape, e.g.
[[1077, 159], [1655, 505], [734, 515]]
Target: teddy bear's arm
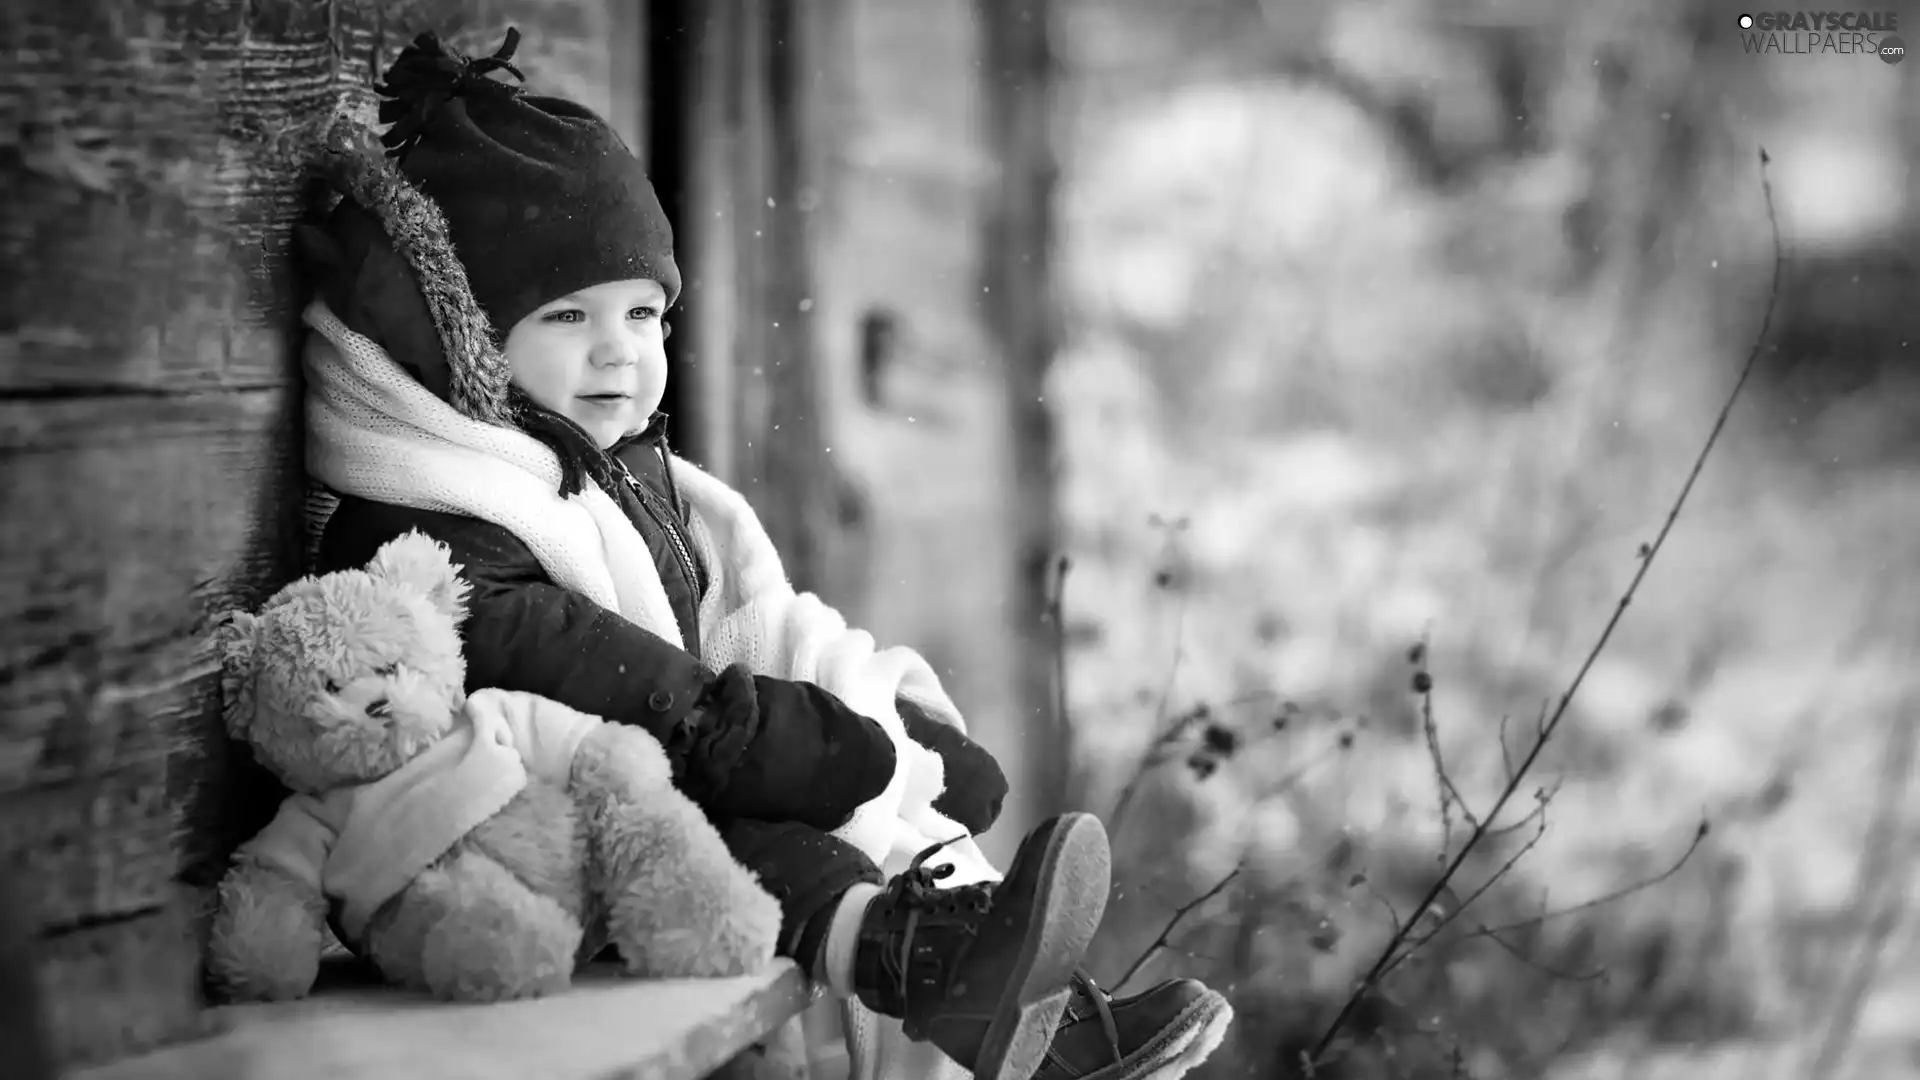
[[270, 928], [547, 734]]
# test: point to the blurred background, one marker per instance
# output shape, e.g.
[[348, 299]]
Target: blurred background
[[1389, 322], [1256, 409]]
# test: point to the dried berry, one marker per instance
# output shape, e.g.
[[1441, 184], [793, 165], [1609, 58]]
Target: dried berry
[[1203, 765], [1221, 740], [1422, 682], [1417, 653], [1346, 740]]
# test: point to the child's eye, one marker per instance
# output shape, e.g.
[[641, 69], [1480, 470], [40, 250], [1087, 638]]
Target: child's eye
[[565, 315], [644, 313]]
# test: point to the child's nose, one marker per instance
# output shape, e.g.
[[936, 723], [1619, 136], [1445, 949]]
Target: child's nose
[[614, 351]]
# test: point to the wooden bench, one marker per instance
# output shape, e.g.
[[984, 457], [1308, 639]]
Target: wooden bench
[[606, 1027]]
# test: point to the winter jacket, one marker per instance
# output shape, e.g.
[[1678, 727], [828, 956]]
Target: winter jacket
[[743, 746]]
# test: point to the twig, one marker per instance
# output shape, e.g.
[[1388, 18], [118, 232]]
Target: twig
[[1173, 732], [1568, 976], [1541, 802], [1166, 934], [1390, 954], [1155, 755], [1699, 837], [1449, 794], [1505, 868], [1392, 913]]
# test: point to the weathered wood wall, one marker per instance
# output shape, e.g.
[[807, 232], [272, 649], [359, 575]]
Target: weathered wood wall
[[149, 441], [146, 433]]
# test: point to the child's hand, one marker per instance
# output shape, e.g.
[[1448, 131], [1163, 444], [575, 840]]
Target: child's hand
[[775, 750]]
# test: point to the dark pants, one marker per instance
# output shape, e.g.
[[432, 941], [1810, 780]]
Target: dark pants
[[807, 869]]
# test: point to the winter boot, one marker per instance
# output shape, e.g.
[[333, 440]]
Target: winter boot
[[984, 971], [1161, 1033]]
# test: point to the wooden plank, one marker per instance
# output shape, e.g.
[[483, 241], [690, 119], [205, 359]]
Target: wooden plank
[[605, 1028], [128, 521], [99, 847], [124, 986], [140, 186], [23, 1030]]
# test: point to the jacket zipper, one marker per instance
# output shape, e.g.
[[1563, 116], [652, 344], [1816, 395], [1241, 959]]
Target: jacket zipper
[[681, 550]]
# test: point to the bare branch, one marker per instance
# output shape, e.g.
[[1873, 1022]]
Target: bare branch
[[1390, 953], [1392, 913], [1492, 879], [1173, 732], [1567, 976], [1542, 799], [1699, 837], [1449, 794], [1156, 755], [1166, 933]]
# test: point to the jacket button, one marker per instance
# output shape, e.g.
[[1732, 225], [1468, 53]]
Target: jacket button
[[660, 701]]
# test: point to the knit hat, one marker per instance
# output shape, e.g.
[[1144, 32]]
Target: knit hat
[[541, 196]]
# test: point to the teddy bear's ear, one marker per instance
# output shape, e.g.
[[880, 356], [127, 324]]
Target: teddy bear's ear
[[417, 561], [234, 636]]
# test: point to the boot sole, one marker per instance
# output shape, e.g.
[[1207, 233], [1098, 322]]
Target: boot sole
[[1180, 1047], [1078, 868]]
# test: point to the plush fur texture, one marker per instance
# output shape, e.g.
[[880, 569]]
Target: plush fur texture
[[615, 855], [349, 159]]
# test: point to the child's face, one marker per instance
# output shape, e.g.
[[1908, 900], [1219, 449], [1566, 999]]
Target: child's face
[[597, 357]]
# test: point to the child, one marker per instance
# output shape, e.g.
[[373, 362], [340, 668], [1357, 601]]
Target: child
[[614, 577]]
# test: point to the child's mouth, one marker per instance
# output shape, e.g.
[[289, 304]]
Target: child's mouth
[[605, 401]]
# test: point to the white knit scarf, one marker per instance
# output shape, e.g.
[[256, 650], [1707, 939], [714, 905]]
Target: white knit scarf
[[376, 433]]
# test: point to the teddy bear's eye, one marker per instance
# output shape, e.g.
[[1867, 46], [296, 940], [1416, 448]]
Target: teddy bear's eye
[[389, 670], [332, 687]]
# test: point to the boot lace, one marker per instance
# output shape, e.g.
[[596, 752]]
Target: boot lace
[[917, 889], [1102, 1003]]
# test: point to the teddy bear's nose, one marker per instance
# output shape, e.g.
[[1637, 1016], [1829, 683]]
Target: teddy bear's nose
[[378, 708]]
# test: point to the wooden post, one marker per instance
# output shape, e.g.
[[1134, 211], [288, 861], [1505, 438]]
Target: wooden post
[[746, 347], [1016, 280]]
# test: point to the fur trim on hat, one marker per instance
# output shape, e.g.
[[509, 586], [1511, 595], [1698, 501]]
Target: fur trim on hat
[[350, 159]]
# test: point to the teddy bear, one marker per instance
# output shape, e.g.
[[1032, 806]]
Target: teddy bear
[[475, 847]]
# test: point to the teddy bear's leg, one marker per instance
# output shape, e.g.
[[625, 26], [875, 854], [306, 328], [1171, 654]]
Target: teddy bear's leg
[[267, 934], [467, 929], [678, 903]]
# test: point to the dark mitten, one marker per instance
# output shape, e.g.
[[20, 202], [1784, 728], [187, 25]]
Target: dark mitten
[[975, 786], [776, 750]]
